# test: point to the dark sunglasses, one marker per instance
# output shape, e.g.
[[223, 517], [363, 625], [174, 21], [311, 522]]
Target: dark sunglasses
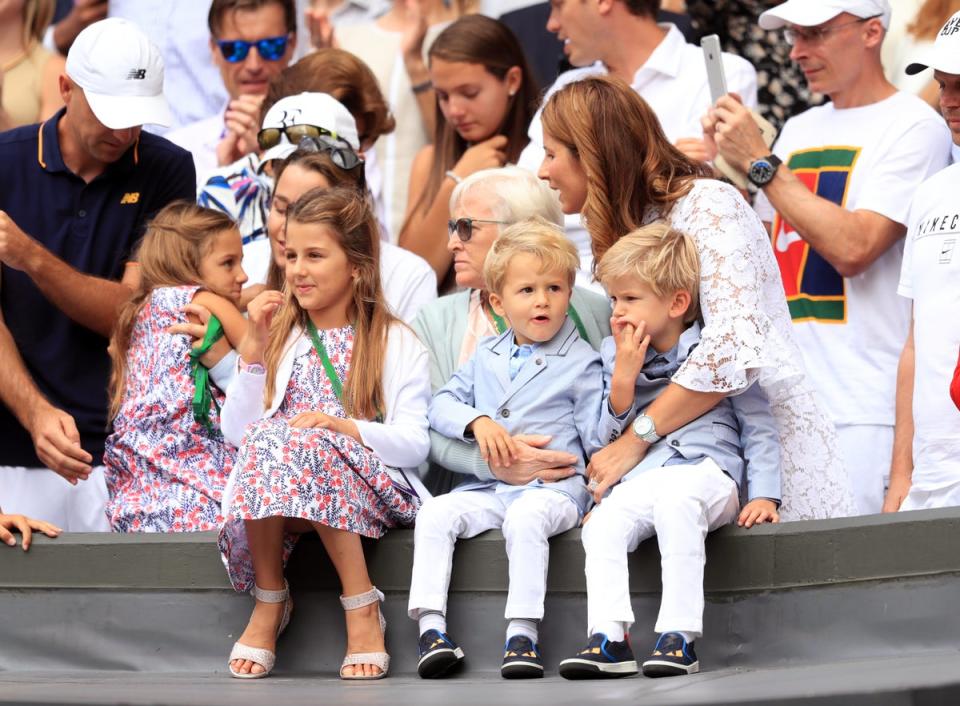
[[270, 49], [270, 136], [341, 153], [463, 227]]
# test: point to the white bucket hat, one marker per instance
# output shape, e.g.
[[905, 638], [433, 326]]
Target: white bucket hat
[[810, 13], [121, 73], [945, 54]]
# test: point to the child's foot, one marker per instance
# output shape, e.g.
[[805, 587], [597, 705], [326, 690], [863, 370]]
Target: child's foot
[[600, 659], [438, 655], [364, 635], [260, 633], [671, 657], [521, 659]]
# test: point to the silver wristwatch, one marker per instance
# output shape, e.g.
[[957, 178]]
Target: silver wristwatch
[[645, 429]]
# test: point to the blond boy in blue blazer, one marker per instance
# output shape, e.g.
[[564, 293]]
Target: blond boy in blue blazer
[[539, 377]]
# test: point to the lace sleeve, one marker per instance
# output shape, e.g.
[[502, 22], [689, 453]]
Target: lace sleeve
[[747, 327]]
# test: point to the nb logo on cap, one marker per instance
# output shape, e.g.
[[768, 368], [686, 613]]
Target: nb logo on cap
[[138, 74]]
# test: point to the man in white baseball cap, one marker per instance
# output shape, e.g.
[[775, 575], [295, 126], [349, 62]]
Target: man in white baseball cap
[[835, 194], [75, 194], [926, 463]]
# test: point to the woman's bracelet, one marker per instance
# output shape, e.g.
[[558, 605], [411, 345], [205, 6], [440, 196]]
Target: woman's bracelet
[[456, 177], [422, 87]]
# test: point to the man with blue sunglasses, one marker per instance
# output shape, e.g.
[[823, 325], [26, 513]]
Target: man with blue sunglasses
[[252, 41]]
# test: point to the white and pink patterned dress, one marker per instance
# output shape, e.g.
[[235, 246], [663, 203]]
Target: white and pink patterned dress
[[165, 472], [313, 474]]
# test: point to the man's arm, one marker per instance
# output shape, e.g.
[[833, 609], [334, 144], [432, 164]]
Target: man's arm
[[850, 241], [90, 301], [54, 432], [901, 467]]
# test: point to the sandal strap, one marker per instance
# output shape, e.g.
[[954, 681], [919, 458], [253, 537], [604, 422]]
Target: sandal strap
[[265, 596], [378, 659], [361, 599], [264, 657]]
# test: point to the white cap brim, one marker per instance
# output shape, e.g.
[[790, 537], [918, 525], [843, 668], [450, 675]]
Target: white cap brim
[[122, 112], [797, 12], [280, 151], [946, 61]]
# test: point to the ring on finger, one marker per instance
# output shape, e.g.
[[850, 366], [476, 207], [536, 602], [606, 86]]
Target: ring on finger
[[593, 484]]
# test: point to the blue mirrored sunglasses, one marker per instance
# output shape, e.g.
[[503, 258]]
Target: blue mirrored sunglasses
[[270, 49]]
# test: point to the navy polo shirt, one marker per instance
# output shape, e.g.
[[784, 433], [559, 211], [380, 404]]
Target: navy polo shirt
[[93, 227]]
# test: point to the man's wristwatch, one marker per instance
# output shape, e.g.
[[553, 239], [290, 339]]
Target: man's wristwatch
[[763, 170], [645, 429]]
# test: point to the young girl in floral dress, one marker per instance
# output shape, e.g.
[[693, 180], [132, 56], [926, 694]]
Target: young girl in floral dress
[[166, 461], [329, 411]]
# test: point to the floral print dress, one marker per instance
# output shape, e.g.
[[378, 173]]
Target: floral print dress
[[313, 474], [165, 471]]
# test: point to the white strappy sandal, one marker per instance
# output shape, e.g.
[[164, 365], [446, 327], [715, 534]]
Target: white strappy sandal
[[378, 659], [264, 657]]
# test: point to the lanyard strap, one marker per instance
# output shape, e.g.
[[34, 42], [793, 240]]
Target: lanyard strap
[[501, 325], [203, 397], [325, 359]]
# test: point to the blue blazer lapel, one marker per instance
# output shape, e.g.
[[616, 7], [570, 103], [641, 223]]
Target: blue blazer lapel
[[500, 356], [539, 360]]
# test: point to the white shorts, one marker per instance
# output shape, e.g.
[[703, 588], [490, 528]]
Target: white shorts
[[44, 495]]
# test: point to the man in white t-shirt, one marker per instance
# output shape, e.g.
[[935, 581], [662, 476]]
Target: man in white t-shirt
[[251, 41], [925, 472], [622, 37], [836, 192]]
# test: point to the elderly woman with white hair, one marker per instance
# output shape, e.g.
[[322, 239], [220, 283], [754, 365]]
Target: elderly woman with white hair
[[482, 205]]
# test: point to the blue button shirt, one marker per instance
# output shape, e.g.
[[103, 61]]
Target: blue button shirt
[[94, 228]]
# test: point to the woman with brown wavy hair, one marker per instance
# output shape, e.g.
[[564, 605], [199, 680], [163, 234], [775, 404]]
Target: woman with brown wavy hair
[[486, 95], [608, 158]]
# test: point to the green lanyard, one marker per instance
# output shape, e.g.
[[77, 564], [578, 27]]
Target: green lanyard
[[501, 325], [203, 397], [325, 359]]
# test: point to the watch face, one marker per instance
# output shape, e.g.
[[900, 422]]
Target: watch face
[[761, 172], [643, 426]]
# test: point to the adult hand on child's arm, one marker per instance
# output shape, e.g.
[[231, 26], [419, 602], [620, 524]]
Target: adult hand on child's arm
[[9, 524], [613, 462], [496, 444], [632, 344], [758, 511], [260, 315], [532, 462]]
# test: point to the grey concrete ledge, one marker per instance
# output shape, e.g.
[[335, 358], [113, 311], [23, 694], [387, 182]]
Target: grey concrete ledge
[[789, 555]]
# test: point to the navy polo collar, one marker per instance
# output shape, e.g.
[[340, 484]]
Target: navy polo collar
[[50, 158]]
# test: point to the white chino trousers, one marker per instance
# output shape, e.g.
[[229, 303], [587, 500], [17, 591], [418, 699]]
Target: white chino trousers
[[679, 504], [528, 518]]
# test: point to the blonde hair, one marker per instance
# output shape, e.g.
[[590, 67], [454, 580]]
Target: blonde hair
[[662, 258], [348, 215], [169, 255], [630, 164], [37, 16], [533, 236]]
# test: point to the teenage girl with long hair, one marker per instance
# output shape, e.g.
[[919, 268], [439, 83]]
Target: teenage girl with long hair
[[486, 97], [329, 412], [166, 460]]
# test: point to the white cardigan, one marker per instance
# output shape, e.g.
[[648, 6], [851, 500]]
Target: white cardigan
[[401, 441]]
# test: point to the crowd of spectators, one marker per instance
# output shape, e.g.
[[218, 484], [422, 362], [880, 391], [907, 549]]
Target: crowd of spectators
[[225, 226]]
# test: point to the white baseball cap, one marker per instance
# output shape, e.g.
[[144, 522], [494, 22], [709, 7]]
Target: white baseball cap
[[945, 54], [121, 73], [810, 13], [318, 109]]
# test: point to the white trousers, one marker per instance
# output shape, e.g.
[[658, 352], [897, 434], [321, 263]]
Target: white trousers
[[917, 499], [43, 495], [867, 451], [679, 504], [528, 518]]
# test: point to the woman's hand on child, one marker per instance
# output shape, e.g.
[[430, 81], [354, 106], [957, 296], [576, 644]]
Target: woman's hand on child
[[534, 462], [496, 444], [611, 463], [758, 511], [260, 315], [9, 524]]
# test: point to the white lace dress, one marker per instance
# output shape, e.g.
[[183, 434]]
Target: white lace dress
[[748, 336]]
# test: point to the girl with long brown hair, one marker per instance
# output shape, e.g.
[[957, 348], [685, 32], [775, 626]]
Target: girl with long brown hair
[[486, 97], [166, 460], [609, 160], [329, 413]]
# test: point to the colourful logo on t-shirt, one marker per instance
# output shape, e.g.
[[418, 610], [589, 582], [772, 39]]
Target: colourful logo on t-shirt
[[815, 291]]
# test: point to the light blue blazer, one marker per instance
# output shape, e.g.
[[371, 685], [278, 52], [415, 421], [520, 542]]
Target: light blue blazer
[[557, 391], [740, 433]]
